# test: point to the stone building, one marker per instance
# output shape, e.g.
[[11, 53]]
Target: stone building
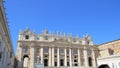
[[109, 54], [6, 50], [55, 50]]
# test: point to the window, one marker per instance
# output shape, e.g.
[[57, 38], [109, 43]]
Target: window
[[37, 38], [38, 50], [61, 62], [55, 56], [68, 64], [67, 56], [26, 50], [75, 56], [10, 54], [75, 60], [90, 61], [88, 42], [55, 63], [27, 37], [45, 55], [76, 65], [45, 62]]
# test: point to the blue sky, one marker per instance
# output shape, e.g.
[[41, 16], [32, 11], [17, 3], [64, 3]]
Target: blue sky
[[99, 18]]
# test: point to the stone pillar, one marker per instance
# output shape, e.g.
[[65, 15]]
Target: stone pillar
[[20, 56], [79, 58], [65, 61], [58, 58], [86, 57], [32, 54], [93, 58], [70, 58], [41, 54], [50, 57], [53, 56]]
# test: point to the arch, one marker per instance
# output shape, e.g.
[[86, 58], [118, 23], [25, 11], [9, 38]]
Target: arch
[[25, 61], [104, 66], [90, 61]]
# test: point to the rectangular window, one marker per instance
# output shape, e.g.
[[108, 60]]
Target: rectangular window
[[26, 50], [10, 54], [27, 37]]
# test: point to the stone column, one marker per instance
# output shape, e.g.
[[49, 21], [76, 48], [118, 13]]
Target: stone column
[[93, 58], [70, 58], [53, 56], [86, 57], [58, 58], [50, 57], [32, 54], [20, 56], [41, 54], [79, 58], [65, 61]]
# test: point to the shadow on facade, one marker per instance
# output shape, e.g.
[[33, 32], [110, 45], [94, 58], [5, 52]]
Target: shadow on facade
[[104, 66], [15, 63]]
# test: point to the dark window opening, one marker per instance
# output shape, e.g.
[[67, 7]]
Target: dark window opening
[[45, 62], [55, 63], [67, 56], [88, 42], [45, 55], [55, 56], [27, 37], [10, 54], [61, 62], [75, 60], [76, 65], [68, 64], [37, 38], [75, 56], [90, 61], [55, 39]]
